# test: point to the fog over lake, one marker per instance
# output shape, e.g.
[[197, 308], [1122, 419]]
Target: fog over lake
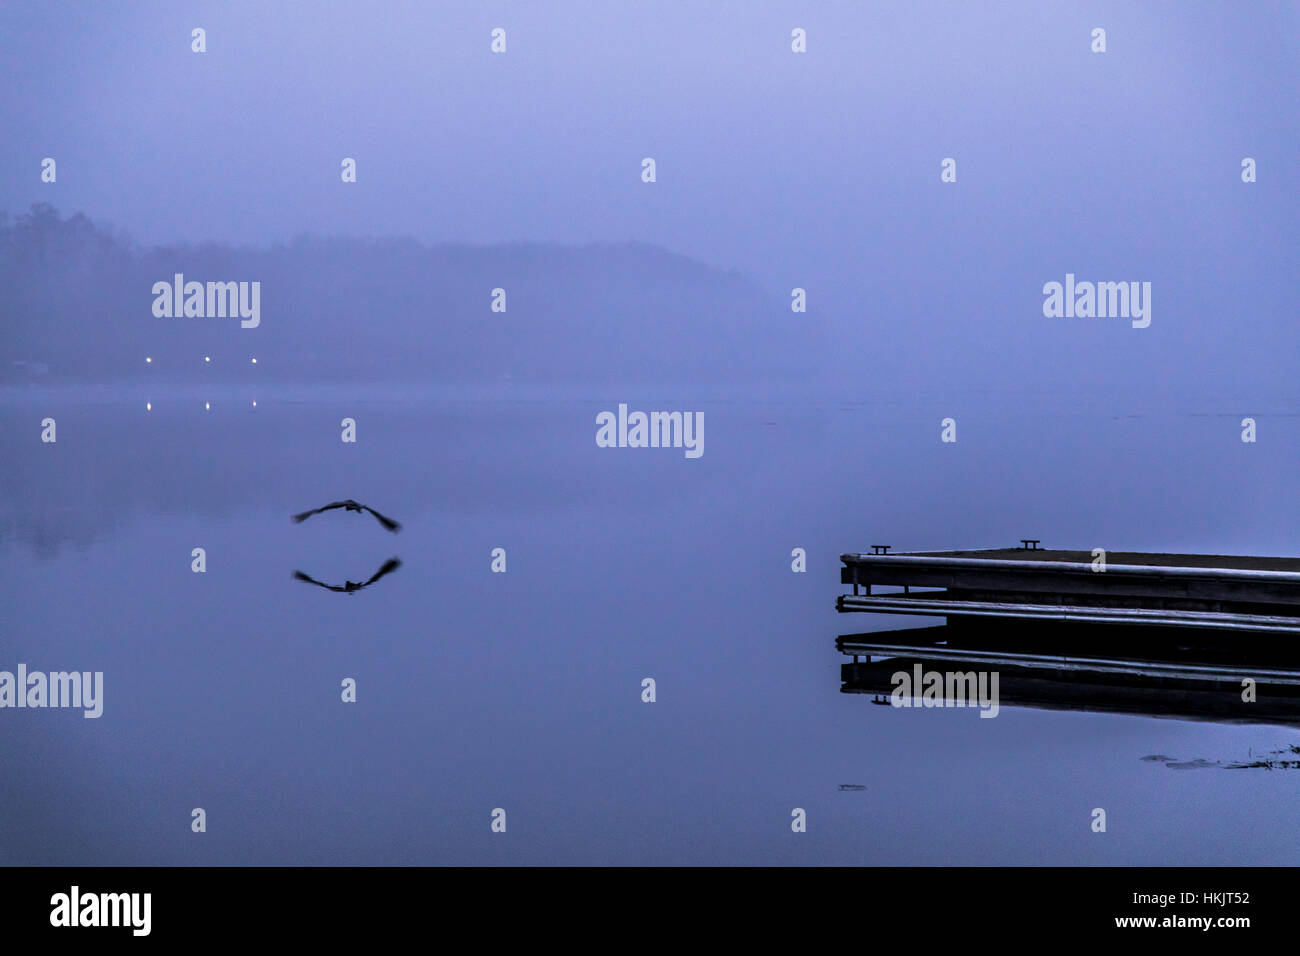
[[803, 279]]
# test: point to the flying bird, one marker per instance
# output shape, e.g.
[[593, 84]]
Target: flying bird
[[351, 587], [350, 505]]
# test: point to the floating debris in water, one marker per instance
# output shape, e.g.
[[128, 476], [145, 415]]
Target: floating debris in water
[[1251, 763], [852, 786]]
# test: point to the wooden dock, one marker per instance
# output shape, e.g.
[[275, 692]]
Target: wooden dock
[[1200, 591]]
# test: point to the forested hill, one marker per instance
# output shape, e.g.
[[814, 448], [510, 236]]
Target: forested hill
[[79, 305]]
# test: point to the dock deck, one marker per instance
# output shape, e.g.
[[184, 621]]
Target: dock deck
[[1207, 591]]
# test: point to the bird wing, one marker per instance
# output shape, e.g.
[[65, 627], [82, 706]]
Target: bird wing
[[392, 564], [388, 523], [315, 511], [310, 580]]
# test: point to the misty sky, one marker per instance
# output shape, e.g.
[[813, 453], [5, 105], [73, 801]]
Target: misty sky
[[818, 170]]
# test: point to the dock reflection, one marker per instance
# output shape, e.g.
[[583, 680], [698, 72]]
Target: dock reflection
[[1155, 672]]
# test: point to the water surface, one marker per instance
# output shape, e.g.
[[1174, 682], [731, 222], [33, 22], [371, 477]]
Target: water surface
[[522, 690]]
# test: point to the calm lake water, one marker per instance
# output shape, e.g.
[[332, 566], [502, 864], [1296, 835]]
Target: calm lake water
[[478, 690]]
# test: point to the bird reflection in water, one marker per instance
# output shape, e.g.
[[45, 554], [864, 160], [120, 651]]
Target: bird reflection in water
[[351, 587]]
